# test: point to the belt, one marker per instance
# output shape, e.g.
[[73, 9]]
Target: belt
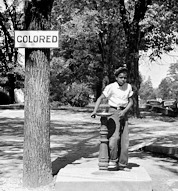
[[120, 107]]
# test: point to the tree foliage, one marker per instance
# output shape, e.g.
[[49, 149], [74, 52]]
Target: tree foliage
[[168, 88], [173, 74], [99, 36], [165, 88], [91, 38], [173, 71], [159, 27], [146, 90], [11, 72]]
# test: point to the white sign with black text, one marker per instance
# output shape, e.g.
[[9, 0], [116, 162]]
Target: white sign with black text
[[36, 39]]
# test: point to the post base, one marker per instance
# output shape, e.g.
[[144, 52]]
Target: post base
[[84, 175]]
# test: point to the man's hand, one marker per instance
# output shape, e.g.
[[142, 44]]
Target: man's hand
[[122, 113], [93, 115]]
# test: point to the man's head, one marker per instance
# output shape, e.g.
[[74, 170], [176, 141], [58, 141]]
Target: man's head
[[121, 75], [120, 70]]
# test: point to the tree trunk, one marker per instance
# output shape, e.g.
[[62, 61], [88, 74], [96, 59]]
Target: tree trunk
[[36, 159], [37, 170], [133, 39], [132, 63], [134, 79], [11, 82]]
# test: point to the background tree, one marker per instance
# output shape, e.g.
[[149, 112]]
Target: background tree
[[173, 74], [159, 27], [173, 71], [132, 13], [146, 90], [91, 40], [11, 72], [36, 156], [164, 88], [99, 36], [175, 89], [65, 89]]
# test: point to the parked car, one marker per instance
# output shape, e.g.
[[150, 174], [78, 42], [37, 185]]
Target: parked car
[[172, 103], [170, 107], [166, 107], [153, 103]]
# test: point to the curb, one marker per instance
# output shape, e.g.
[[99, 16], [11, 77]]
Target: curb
[[165, 150], [79, 109], [152, 146], [12, 106], [142, 145]]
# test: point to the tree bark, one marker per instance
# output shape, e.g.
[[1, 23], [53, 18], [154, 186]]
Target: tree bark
[[37, 170], [133, 38], [36, 158], [11, 84], [132, 63]]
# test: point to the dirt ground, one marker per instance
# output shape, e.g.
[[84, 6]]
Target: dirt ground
[[74, 134]]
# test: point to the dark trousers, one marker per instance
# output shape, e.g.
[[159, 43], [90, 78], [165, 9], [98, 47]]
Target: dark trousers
[[118, 135]]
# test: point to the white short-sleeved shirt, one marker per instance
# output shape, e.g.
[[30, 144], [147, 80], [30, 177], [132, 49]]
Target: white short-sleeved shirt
[[118, 95]]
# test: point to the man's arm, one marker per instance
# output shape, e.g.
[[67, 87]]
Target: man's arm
[[93, 114]]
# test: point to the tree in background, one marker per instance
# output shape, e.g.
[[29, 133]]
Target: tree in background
[[174, 89], [132, 13], [173, 71], [92, 41], [64, 89], [11, 72], [173, 74], [168, 87], [99, 36], [159, 28], [165, 90], [37, 170], [146, 90]]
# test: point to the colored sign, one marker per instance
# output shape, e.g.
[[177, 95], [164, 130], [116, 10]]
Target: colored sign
[[36, 39]]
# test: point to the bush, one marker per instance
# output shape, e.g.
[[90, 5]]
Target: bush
[[78, 95], [55, 104], [57, 92]]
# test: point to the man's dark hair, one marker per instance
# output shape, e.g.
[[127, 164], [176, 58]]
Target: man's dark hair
[[120, 70]]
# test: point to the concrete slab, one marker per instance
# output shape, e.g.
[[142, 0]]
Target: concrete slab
[[84, 175]]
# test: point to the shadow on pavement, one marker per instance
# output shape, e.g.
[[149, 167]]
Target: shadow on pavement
[[78, 151], [164, 163], [158, 116], [70, 140], [11, 127]]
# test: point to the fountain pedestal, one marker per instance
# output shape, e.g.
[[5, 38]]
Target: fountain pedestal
[[103, 151]]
